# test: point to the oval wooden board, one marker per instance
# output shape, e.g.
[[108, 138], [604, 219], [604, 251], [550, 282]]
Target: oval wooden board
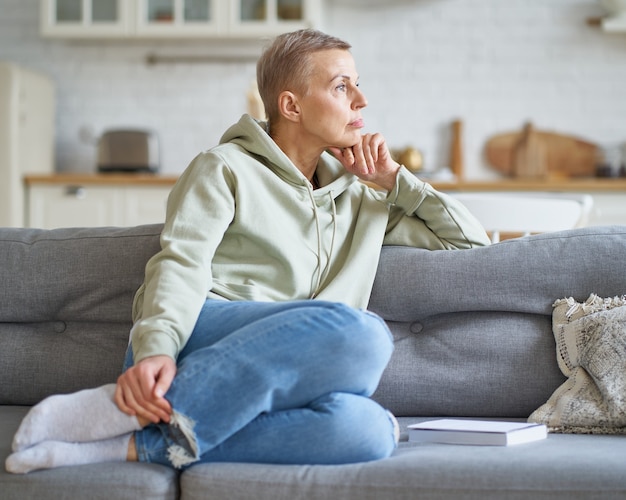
[[566, 155]]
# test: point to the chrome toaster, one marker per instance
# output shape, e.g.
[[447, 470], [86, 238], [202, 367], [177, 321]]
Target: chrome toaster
[[127, 150]]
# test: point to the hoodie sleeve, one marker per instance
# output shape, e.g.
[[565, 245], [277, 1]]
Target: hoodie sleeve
[[177, 279], [422, 217]]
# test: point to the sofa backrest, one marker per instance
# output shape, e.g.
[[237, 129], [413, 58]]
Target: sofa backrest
[[473, 328], [65, 306]]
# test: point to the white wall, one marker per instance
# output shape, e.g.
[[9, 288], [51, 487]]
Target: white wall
[[423, 63]]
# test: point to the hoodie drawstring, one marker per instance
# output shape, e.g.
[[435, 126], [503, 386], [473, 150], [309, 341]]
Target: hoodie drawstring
[[322, 274]]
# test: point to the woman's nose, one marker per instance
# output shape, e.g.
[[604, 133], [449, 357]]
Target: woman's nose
[[359, 101]]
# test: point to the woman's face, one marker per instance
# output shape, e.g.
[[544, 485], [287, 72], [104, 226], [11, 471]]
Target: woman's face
[[331, 109]]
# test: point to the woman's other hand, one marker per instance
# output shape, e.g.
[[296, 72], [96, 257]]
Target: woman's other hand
[[141, 389]]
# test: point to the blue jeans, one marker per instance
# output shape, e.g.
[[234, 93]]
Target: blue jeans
[[284, 383]]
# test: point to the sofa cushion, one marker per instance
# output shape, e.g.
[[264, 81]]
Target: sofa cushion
[[65, 306], [553, 468], [78, 274], [477, 364]]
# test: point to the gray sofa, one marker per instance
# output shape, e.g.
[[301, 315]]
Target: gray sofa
[[473, 338]]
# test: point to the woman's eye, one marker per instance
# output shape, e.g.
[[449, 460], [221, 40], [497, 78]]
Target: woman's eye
[[342, 87]]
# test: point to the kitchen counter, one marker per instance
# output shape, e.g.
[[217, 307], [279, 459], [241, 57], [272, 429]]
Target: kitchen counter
[[92, 199], [140, 179], [572, 185]]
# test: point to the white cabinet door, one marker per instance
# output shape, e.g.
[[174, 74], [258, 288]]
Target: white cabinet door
[[180, 18], [145, 205], [85, 18], [52, 206], [271, 17]]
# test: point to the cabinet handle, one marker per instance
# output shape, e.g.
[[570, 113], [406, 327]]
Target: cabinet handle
[[78, 192]]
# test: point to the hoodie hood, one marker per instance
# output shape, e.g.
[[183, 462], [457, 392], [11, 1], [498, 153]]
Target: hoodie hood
[[252, 136]]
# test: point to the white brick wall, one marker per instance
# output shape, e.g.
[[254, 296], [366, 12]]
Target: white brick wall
[[493, 63]]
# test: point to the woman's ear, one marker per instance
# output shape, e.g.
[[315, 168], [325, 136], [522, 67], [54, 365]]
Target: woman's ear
[[288, 106]]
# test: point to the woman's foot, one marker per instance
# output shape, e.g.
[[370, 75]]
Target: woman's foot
[[52, 454], [84, 416]]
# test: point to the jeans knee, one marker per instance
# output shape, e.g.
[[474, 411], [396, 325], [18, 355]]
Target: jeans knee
[[367, 336], [362, 432], [355, 346], [375, 443], [382, 339]]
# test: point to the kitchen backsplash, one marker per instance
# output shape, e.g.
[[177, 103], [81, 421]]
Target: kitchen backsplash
[[422, 63]]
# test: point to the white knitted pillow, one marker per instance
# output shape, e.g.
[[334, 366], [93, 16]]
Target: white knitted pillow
[[591, 352]]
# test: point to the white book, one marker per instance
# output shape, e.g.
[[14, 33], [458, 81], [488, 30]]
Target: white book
[[476, 432]]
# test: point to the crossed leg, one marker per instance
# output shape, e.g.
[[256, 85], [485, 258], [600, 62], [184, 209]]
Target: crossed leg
[[247, 367]]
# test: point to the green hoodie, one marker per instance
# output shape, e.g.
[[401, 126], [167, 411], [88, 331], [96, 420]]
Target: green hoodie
[[243, 223]]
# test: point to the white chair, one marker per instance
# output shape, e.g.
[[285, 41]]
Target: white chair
[[526, 213]]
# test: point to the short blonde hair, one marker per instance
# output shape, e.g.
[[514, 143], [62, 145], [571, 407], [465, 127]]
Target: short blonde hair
[[285, 64]]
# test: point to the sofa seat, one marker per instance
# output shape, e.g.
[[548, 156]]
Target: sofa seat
[[562, 466]]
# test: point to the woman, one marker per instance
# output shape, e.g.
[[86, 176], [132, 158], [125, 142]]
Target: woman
[[230, 359]]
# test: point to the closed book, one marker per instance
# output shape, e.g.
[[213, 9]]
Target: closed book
[[476, 432]]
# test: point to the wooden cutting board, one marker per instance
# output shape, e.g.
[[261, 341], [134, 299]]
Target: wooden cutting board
[[531, 153]]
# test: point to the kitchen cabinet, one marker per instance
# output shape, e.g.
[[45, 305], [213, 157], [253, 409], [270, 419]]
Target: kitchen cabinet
[[180, 18], [609, 194], [175, 18], [64, 200], [608, 209], [85, 18], [271, 17], [89, 201]]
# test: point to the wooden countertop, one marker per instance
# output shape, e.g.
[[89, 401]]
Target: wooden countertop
[[102, 179], [581, 185], [586, 184]]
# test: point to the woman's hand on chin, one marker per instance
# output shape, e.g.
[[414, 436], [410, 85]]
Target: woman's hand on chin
[[369, 160]]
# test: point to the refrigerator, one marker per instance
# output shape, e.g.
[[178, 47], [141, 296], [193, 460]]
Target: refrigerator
[[27, 116]]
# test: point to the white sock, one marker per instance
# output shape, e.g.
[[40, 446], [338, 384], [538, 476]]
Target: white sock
[[51, 454], [89, 415]]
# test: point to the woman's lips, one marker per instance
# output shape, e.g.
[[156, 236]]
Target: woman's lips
[[357, 123]]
